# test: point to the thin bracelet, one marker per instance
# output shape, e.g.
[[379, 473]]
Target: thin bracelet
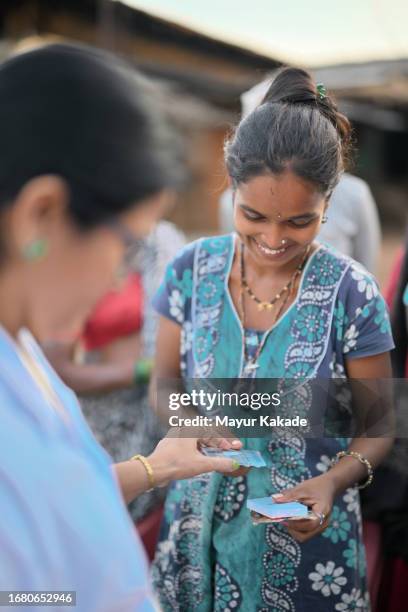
[[148, 468], [361, 459]]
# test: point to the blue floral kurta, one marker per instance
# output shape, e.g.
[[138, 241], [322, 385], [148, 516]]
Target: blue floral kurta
[[210, 555]]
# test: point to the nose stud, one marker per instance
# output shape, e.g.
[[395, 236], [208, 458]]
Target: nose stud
[[283, 241]]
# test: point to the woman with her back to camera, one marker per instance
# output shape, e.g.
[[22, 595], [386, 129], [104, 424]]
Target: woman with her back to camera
[[270, 302]]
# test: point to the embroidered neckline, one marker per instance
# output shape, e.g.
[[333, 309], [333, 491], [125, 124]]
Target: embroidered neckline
[[265, 333]]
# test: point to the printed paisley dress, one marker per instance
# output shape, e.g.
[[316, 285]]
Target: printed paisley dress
[[210, 556]]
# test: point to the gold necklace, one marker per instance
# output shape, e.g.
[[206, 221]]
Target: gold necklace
[[262, 305], [250, 364]]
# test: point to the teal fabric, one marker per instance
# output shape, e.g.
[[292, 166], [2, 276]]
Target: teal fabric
[[210, 556]]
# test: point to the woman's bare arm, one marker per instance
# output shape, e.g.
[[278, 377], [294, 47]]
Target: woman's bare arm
[[89, 378], [174, 458], [348, 470]]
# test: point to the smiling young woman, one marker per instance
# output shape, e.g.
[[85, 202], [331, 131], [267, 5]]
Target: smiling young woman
[[269, 301]]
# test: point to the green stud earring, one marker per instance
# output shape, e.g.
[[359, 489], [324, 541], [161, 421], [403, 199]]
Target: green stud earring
[[37, 249]]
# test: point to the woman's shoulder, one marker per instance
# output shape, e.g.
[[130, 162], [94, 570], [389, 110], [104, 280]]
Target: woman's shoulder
[[355, 292], [358, 297], [360, 317], [351, 274], [329, 253], [199, 259], [201, 247]]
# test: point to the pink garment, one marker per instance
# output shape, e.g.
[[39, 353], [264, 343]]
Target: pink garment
[[391, 288]]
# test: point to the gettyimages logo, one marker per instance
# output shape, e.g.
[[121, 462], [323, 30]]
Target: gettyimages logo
[[313, 408], [215, 400]]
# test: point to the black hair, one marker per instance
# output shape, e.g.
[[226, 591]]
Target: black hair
[[88, 117], [294, 127]]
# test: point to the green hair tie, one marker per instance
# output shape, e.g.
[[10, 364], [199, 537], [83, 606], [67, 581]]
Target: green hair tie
[[321, 91]]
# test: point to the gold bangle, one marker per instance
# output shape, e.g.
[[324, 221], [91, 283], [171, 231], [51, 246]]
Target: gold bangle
[[361, 459], [148, 468]]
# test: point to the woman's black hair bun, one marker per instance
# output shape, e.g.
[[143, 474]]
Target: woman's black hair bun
[[296, 86]]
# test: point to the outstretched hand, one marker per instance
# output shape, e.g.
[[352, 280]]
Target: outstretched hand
[[176, 458]]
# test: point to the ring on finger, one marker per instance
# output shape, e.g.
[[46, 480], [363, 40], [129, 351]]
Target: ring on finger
[[321, 516]]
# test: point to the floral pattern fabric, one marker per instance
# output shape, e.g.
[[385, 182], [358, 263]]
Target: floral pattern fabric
[[210, 556]]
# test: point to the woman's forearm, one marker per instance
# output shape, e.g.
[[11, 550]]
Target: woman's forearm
[[133, 478], [372, 393], [174, 458], [89, 378], [349, 470]]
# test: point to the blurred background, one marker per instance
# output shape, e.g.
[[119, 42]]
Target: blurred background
[[204, 55]]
